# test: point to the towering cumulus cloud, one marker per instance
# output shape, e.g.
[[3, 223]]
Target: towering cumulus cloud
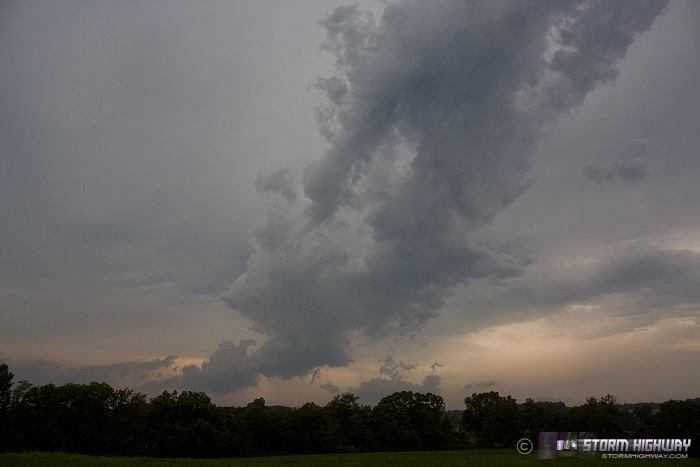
[[431, 119]]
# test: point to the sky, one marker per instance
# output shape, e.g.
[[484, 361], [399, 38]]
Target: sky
[[296, 199]]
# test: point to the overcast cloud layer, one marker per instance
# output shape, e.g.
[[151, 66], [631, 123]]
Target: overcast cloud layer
[[403, 196]]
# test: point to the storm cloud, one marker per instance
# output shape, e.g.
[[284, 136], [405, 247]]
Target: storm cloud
[[482, 184], [431, 120]]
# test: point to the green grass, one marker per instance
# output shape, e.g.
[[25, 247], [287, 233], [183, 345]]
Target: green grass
[[476, 458]]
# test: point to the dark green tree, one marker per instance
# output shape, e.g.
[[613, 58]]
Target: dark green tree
[[536, 417], [127, 432], [405, 421], [5, 387], [348, 424], [5, 399], [82, 416], [680, 419], [36, 424], [490, 420], [185, 425], [601, 416], [19, 391], [257, 434], [307, 430], [85, 418], [391, 423], [639, 421]]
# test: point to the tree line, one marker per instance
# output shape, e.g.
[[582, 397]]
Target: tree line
[[97, 419]]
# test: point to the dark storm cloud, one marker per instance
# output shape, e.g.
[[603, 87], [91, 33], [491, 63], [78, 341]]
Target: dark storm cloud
[[593, 44], [431, 119]]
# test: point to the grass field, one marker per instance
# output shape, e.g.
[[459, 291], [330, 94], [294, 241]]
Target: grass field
[[476, 458]]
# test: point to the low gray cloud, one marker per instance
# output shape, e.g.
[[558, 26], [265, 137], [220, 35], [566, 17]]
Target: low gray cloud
[[636, 149], [627, 172], [657, 275], [227, 369], [431, 119], [479, 385], [372, 391], [134, 374], [629, 167], [280, 181], [330, 387], [396, 371], [649, 283], [393, 377]]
